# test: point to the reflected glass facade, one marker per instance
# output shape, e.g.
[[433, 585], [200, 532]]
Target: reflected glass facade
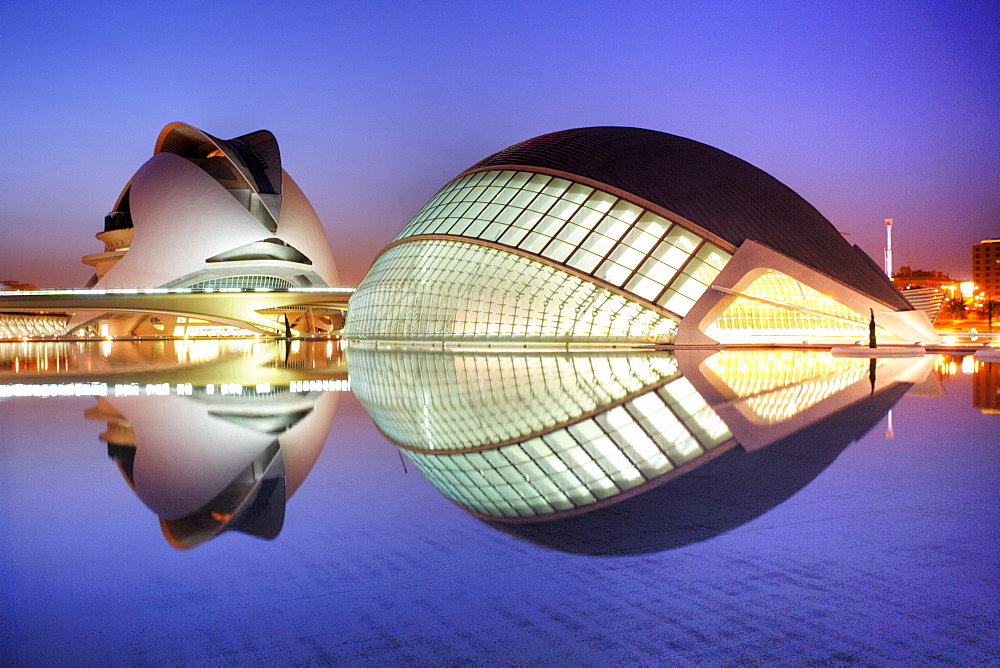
[[774, 386], [584, 463], [521, 436], [447, 402]]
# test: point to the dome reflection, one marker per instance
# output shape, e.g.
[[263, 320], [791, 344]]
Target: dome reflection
[[212, 463], [617, 452], [226, 448]]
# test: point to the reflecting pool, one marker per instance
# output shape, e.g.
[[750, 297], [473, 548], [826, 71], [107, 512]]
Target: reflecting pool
[[241, 502]]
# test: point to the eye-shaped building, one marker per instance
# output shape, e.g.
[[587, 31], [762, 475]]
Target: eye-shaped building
[[623, 235]]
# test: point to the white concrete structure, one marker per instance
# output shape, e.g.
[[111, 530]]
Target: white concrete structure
[[210, 213]]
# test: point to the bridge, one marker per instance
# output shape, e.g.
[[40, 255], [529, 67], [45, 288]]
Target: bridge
[[234, 307]]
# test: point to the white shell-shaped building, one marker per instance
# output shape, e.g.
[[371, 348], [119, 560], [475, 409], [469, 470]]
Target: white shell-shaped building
[[205, 212]]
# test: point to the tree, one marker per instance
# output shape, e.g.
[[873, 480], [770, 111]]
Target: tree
[[989, 310], [953, 309]]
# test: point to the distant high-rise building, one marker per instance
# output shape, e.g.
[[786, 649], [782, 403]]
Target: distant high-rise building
[[986, 387], [986, 266]]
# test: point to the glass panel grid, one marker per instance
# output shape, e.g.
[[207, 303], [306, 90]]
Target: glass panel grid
[[573, 466], [807, 319], [648, 249], [246, 282], [777, 385], [443, 289], [467, 401]]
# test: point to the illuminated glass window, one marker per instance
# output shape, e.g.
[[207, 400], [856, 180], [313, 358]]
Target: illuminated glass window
[[777, 305], [776, 385], [459, 401], [569, 223], [513, 435], [16, 325], [248, 282], [433, 289]]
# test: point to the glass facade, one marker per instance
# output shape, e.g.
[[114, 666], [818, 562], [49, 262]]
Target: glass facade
[[16, 325], [776, 385], [248, 282], [581, 456], [595, 233], [777, 306], [434, 289], [580, 465], [456, 401]]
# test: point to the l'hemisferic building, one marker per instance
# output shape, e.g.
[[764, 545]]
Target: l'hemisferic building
[[623, 235]]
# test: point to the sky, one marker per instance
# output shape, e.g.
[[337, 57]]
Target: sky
[[869, 110]]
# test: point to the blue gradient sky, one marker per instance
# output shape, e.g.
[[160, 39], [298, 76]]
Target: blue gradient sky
[[868, 110]]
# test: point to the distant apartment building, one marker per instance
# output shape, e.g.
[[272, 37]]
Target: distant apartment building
[[986, 266], [925, 290], [986, 387], [17, 285], [908, 279]]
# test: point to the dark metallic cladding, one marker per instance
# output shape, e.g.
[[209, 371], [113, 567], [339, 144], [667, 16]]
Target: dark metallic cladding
[[718, 191]]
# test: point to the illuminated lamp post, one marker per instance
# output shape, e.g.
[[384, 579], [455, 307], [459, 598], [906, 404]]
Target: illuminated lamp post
[[888, 247]]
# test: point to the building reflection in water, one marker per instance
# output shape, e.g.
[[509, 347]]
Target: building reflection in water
[[986, 387], [74, 358], [601, 452], [211, 463], [623, 452], [212, 435], [52, 361]]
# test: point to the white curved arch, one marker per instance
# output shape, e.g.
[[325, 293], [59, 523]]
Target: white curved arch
[[300, 227], [261, 142], [181, 216]]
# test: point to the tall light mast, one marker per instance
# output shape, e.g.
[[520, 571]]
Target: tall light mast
[[888, 247], [888, 272]]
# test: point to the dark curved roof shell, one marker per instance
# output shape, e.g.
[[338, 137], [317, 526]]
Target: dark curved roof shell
[[709, 187]]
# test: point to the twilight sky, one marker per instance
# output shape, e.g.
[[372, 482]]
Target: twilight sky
[[869, 110]]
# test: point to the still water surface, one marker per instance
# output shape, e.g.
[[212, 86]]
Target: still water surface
[[221, 503]]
